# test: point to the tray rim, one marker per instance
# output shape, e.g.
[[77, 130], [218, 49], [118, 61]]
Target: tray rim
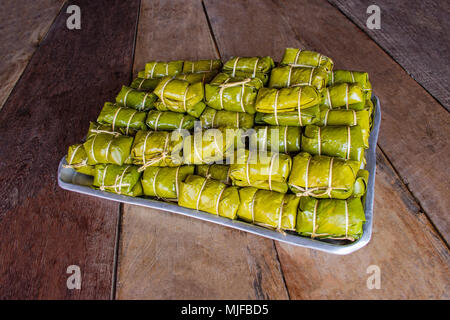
[[248, 227]]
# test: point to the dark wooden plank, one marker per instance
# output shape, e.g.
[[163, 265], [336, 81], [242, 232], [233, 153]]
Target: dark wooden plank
[[24, 24], [43, 228], [403, 239], [166, 256], [415, 34]]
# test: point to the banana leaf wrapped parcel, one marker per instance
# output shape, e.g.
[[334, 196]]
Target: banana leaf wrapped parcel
[[276, 138], [301, 117], [180, 96], [209, 195], [169, 121], [118, 179], [95, 128], [341, 76], [164, 182], [250, 65], [203, 77], [305, 58], [268, 171], [290, 76], [268, 208], [157, 149], [220, 172], [139, 100], [212, 118], [331, 218], [326, 177], [144, 84], [158, 69], [344, 95], [121, 117], [77, 159], [202, 66], [336, 141], [229, 93], [108, 148]]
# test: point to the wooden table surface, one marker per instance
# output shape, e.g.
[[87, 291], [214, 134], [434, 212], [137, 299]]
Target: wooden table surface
[[55, 80]]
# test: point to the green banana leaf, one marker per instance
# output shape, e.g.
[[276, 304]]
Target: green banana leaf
[[220, 172], [139, 100], [290, 76], [143, 84], [326, 177], [341, 76], [121, 117], [179, 96], [268, 208], [264, 77], [268, 171], [158, 69], [346, 117], [157, 149], [202, 66], [164, 182], [331, 218], [118, 179], [336, 141], [272, 100], [344, 96], [370, 108], [108, 148], [209, 195], [276, 138], [95, 128], [249, 64], [306, 116], [204, 77], [232, 94], [304, 58], [168, 120], [212, 118], [77, 158]]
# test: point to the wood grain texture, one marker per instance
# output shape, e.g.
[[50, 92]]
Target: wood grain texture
[[414, 126], [43, 228], [166, 256], [413, 258], [24, 24], [415, 34]]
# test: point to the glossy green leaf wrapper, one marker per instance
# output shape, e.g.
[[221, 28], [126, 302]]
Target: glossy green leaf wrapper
[[268, 208], [220, 172], [277, 101], [301, 117], [202, 66], [164, 182], [209, 195], [212, 118], [108, 148], [157, 149], [346, 117], [263, 77], [345, 96], [249, 64], [143, 84], [158, 69], [95, 128], [331, 218], [139, 100], [232, 94], [180, 96], [118, 179], [276, 138], [121, 117], [305, 58], [341, 76], [204, 77], [290, 76], [326, 177], [336, 141], [269, 171], [169, 121], [77, 158]]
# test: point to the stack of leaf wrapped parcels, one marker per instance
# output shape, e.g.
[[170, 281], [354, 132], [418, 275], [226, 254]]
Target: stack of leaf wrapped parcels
[[278, 146]]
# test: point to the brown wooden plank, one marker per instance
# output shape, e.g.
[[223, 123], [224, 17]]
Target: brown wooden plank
[[43, 228], [24, 24], [415, 34], [405, 245], [166, 256], [414, 126]]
